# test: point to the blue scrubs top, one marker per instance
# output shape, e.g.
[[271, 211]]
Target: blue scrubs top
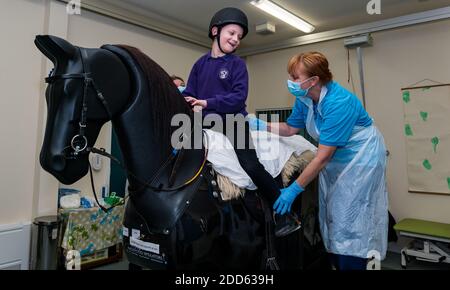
[[222, 81], [335, 116]]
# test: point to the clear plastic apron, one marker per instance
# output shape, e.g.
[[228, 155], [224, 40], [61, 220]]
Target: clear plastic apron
[[353, 201]]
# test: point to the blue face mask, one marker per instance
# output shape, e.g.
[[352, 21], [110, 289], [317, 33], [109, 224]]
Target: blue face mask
[[181, 89], [296, 89]]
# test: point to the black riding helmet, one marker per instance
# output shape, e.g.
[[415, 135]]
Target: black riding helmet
[[229, 15]]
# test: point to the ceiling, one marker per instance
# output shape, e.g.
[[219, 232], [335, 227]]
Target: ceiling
[[191, 17]]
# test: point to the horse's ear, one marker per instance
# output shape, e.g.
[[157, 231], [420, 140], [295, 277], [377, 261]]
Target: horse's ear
[[55, 48]]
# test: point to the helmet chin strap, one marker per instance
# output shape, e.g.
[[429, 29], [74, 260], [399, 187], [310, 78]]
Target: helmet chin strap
[[219, 30]]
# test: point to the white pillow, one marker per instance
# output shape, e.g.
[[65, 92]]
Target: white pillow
[[70, 201]]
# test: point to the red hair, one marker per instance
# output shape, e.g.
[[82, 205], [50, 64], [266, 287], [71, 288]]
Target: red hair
[[315, 64]]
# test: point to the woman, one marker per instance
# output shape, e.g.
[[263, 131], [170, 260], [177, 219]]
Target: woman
[[351, 163], [179, 82]]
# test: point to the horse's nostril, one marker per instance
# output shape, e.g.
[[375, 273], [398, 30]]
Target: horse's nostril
[[58, 162]]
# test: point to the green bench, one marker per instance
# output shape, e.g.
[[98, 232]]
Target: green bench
[[429, 235]]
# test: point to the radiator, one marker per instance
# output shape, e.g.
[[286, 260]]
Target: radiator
[[281, 115], [15, 246], [271, 115]]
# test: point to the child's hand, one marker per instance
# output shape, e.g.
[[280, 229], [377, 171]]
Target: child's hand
[[201, 103], [193, 102], [190, 100]]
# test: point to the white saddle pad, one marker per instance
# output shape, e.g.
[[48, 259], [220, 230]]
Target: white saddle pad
[[273, 152]]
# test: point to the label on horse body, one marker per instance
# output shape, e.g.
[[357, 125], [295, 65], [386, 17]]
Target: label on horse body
[[146, 246], [135, 233]]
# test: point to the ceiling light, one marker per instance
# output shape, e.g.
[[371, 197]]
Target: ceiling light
[[284, 15]]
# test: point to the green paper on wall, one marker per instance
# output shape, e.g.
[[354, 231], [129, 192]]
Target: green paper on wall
[[426, 113], [406, 95], [408, 130], [427, 164], [435, 142], [424, 116]]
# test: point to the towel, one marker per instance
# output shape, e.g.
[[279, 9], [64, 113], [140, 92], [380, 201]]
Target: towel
[[273, 152]]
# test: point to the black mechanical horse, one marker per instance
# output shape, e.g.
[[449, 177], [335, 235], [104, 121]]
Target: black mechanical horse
[[182, 224]]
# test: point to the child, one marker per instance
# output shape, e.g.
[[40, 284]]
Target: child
[[218, 83]]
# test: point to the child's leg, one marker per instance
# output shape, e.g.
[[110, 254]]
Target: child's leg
[[248, 159], [266, 184]]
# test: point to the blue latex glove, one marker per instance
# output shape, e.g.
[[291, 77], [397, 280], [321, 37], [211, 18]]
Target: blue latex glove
[[257, 124], [284, 202]]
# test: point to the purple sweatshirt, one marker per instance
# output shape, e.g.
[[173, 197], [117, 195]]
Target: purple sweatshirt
[[222, 81]]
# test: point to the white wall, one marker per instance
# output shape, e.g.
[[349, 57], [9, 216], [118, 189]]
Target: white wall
[[26, 190], [20, 83], [397, 59]]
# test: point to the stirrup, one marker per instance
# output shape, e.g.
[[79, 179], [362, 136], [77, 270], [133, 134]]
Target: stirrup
[[289, 227], [271, 264], [287, 231]]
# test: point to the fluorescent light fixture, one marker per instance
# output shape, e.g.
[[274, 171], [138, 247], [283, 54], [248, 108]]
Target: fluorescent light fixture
[[284, 15]]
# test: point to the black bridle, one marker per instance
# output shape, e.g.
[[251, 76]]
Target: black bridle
[[79, 142]]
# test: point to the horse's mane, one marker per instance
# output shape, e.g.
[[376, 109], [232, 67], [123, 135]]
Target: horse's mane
[[165, 99]]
